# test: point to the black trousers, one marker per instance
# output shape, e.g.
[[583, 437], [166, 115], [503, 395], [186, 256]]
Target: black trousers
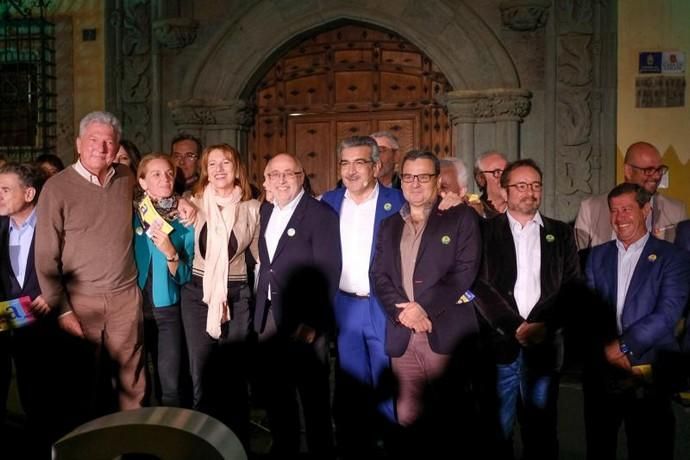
[[219, 368], [644, 410], [37, 353], [287, 368]]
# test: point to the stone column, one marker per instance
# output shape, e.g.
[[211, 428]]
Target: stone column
[[217, 121], [503, 108]]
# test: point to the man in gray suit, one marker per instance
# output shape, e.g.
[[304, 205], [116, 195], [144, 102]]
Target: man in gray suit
[[642, 167]]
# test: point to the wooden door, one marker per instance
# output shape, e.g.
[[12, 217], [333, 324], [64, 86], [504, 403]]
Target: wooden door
[[351, 80]]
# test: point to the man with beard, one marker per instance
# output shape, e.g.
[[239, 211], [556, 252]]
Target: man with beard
[[528, 262], [642, 167]]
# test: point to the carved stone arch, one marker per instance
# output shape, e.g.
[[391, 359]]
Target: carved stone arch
[[431, 25]]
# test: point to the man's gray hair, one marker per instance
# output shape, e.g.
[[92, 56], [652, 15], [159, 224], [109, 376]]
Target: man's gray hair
[[460, 169], [388, 135], [359, 141], [485, 155], [103, 117]]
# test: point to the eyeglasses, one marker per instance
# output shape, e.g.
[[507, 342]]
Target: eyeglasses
[[523, 186], [359, 163], [421, 178], [661, 170], [275, 176], [494, 172], [384, 148], [189, 156]]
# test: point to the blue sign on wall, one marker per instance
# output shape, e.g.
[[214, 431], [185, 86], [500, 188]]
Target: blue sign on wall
[[650, 62]]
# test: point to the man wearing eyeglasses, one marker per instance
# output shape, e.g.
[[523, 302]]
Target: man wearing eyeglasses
[[362, 403], [185, 151], [528, 263], [388, 156], [299, 251], [488, 169], [642, 167], [425, 260]]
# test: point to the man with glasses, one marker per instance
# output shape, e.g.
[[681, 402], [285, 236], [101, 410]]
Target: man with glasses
[[361, 400], [642, 167], [299, 250], [425, 261], [487, 173], [185, 151], [528, 262], [388, 156]]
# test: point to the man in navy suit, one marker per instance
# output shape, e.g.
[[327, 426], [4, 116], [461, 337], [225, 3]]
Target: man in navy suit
[[643, 283], [31, 347], [362, 361], [299, 252], [425, 260], [683, 241], [529, 262]]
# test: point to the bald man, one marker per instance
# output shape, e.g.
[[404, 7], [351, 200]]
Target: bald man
[[643, 167], [299, 251]]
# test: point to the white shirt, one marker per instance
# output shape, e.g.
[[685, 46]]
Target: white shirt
[[276, 226], [20, 244], [527, 288], [356, 238], [627, 261], [86, 174]]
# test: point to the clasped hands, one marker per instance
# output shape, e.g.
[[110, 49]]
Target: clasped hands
[[413, 316]]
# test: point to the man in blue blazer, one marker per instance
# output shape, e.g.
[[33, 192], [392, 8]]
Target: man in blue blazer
[[425, 261], [299, 252], [362, 361], [643, 283], [683, 241]]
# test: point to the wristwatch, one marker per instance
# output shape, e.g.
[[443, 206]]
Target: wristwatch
[[174, 258]]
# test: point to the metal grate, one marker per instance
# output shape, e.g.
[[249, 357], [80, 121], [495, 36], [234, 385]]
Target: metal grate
[[27, 80]]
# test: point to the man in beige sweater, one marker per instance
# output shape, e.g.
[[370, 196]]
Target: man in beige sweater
[[84, 256]]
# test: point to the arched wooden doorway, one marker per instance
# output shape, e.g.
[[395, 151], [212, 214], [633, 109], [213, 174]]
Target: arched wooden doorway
[[350, 80]]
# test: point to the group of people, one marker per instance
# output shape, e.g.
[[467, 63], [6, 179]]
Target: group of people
[[448, 311]]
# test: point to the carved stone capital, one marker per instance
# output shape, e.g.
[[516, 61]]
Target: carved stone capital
[[235, 114], [502, 104], [524, 15], [175, 32]]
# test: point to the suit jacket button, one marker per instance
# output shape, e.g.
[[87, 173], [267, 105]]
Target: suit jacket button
[[510, 292]]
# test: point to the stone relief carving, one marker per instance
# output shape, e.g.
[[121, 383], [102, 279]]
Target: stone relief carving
[[574, 169], [524, 15], [135, 80], [175, 33], [575, 60], [574, 119], [576, 96], [575, 15], [487, 106], [236, 114]]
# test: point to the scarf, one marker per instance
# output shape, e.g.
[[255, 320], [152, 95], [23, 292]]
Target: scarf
[[219, 225], [165, 207]]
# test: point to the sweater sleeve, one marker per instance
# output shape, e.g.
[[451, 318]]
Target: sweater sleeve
[[50, 220]]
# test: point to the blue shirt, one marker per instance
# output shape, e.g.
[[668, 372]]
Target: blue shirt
[[20, 244]]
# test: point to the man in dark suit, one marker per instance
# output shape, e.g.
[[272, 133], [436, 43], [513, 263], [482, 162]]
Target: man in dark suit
[[528, 262], [643, 285], [362, 396], [683, 242], [424, 262], [299, 252], [31, 347]]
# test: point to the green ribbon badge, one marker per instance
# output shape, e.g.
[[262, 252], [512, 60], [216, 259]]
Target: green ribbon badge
[[652, 257], [445, 239], [387, 207], [550, 238]]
